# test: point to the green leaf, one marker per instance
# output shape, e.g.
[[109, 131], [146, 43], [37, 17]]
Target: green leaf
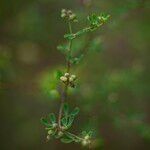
[[70, 121], [76, 60], [66, 109], [66, 140], [75, 111], [84, 133], [62, 48], [69, 36], [59, 74], [90, 133], [52, 118], [64, 121], [45, 122]]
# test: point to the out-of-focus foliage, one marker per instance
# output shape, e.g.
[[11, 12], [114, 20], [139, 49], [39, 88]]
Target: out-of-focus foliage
[[114, 89]]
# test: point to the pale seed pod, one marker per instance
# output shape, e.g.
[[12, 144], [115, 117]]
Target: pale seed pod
[[66, 74], [54, 125], [63, 78], [71, 79], [86, 137], [50, 132], [73, 76]]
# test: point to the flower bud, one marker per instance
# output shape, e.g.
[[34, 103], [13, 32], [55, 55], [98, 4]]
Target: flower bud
[[84, 143], [66, 74], [63, 78], [63, 15], [71, 79], [63, 11], [73, 76], [60, 133], [72, 16], [86, 137], [50, 132], [54, 125]]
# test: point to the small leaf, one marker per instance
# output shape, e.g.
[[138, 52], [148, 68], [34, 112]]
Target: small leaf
[[62, 48], [90, 133], [64, 121], [45, 122], [66, 109], [75, 111], [84, 133], [58, 74], [67, 140], [52, 118], [71, 119], [69, 36]]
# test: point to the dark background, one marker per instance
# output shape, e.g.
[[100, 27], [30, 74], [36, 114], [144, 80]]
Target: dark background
[[115, 84]]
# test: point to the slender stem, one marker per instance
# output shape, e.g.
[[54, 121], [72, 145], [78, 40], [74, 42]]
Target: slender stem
[[75, 136], [64, 92]]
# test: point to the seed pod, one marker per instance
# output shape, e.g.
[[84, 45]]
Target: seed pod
[[50, 132], [63, 11], [71, 79], [86, 137], [66, 74], [63, 78], [63, 15], [73, 76], [72, 17], [54, 125], [60, 134]]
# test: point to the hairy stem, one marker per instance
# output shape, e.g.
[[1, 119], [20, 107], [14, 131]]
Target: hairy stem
[[64, 92]]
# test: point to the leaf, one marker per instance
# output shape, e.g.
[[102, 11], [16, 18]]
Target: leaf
[[75, 111], [76, 60], [84, 133], [69, 36], [90, 133], [45, 122], [64, 121], [66, 109], [58, 74], [62, 48], [66, 140], [52, 118], [70, 121]]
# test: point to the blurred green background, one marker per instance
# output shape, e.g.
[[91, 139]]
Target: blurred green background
[[114, 83]]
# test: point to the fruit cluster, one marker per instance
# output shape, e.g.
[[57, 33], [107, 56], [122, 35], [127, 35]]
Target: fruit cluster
[[68, 15], [68, 79]]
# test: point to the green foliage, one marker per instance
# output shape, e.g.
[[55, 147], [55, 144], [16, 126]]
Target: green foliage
[[59, 129]]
